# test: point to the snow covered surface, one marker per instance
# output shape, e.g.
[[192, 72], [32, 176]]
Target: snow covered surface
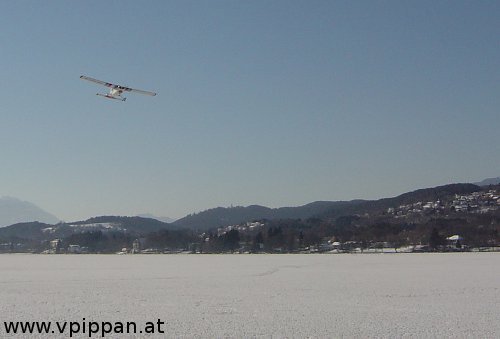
[[261, 296]]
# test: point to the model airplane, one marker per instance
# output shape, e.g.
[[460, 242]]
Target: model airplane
[[115, 91]]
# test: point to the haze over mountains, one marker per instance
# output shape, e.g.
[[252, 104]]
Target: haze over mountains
[[13, 211], [408, 219], [489, 181], [151, 216]]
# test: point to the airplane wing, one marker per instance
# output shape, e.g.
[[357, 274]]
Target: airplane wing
[[140, 91], [123, 88], [104, 83]]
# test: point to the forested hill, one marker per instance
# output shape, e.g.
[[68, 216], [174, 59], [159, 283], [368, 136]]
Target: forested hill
[[134, 226], [131, 224], [219, 217]]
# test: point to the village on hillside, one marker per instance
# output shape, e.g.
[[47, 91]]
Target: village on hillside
[[476, 202], [473, 203]]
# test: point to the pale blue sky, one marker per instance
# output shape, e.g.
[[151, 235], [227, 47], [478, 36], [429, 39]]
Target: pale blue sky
[[277, 103]]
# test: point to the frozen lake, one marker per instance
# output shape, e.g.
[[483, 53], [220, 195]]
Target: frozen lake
[[260, 296]]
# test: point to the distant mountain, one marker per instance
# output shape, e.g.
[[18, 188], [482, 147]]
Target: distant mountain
[[220, 217], [489, 181], [14, 211], [151, 216]]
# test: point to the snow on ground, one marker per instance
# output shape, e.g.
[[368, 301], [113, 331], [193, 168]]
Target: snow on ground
[[261, 296]]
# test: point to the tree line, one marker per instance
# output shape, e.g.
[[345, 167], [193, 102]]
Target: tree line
[[290, 235]]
